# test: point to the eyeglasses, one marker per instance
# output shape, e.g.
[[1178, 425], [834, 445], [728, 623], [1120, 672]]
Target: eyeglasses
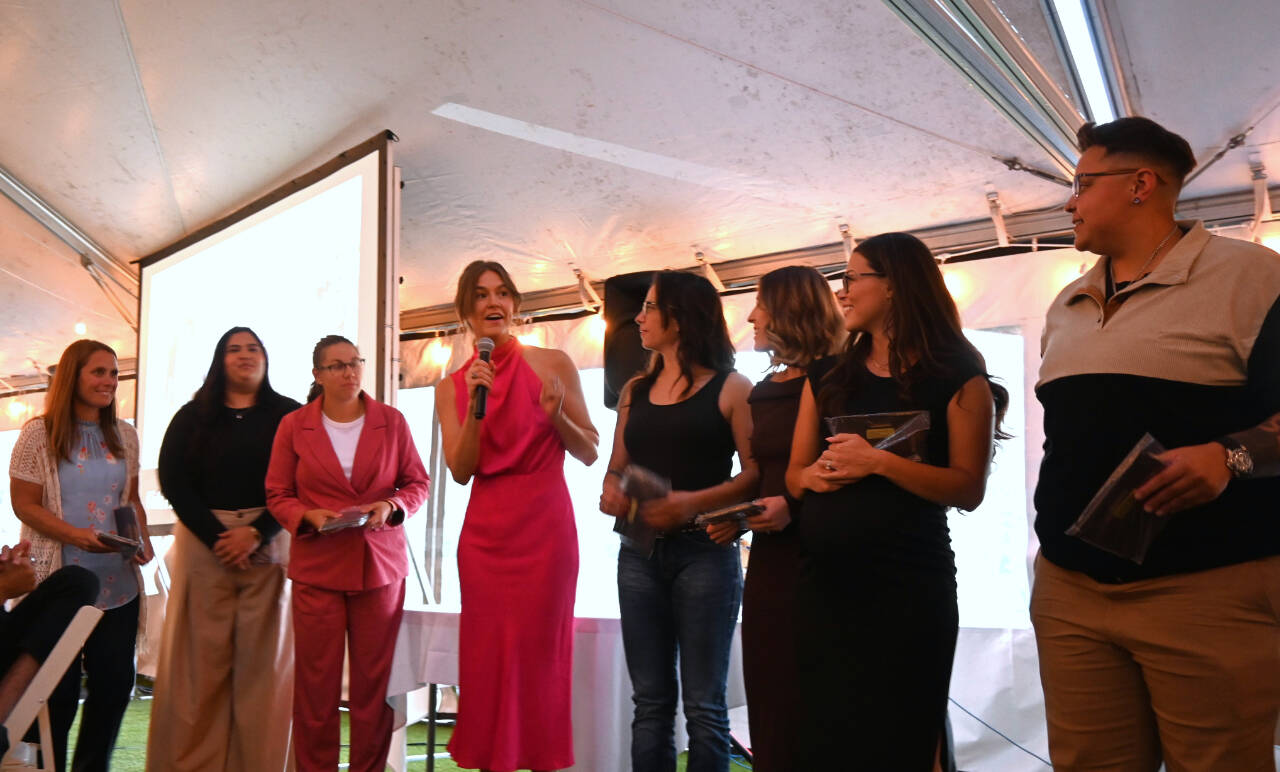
[[854, 276], [338, 368], [1083, 176]]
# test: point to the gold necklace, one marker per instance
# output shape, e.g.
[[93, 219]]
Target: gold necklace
[[1111, 269]]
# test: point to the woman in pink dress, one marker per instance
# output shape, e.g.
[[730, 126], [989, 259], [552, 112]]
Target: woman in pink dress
[[518, 552]]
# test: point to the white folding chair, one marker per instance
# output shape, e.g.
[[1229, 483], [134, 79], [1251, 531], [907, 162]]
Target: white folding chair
[[35, 700]]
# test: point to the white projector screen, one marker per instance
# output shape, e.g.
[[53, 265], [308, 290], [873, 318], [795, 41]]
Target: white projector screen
[[301, 268]]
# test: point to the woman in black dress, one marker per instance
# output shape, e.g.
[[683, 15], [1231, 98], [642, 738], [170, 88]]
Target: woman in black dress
[[796, 321], [876, 603]]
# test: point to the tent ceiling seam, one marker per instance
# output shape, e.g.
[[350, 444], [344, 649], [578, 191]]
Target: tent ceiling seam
[[792, 81], [146, 108]]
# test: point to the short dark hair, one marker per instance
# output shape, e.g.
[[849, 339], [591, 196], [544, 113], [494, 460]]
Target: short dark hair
[[1144, 138]]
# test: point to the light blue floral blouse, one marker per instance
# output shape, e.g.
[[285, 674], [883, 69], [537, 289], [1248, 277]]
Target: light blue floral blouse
[[92, 485]]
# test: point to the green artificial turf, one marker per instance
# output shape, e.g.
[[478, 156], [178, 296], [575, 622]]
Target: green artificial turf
[[131, 746]]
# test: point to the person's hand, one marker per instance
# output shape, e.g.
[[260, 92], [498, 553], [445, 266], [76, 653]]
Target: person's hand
[[552, 398], [87, 540], [378, 511], [18, 553], [480, 373], [145, 552], [818, 478], [670, 511], [316, 518], [235, 545], [849, 458], [775, 517], [724, 532], [16, 578], [1193, 475], [612, 500]]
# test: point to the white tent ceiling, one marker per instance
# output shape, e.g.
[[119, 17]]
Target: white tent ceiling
[[610, 134]]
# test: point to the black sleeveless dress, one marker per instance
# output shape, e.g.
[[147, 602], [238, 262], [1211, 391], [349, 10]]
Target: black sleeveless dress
[[768, 597], [876, 603]]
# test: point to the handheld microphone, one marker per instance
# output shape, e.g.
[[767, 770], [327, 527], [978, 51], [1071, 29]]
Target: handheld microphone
[[485, 347]]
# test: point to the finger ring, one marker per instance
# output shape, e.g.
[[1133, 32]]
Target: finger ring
[[830, 466]]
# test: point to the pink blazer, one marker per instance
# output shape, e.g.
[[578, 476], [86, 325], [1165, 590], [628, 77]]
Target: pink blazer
[[305, 474]]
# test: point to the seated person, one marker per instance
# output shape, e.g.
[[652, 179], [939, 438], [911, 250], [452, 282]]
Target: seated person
[[32, 628]]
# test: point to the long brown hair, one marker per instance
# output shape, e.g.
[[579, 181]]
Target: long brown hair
[[59, 402], [464, 299], [804, 321], [922, 325], [694, 305]]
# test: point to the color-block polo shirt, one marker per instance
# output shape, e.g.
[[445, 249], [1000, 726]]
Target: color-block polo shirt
[[1189, 353]]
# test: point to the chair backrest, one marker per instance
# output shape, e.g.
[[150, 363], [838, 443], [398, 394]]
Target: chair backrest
[[51, 672]]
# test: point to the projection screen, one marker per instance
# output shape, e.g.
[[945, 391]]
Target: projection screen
[[312, 258]]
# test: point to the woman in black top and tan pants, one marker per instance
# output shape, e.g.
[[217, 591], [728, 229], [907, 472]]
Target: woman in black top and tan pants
[[224, 683]]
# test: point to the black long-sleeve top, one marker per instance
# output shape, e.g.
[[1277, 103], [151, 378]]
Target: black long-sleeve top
[[226, 471]]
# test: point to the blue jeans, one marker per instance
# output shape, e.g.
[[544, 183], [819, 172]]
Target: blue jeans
[[681, 601]]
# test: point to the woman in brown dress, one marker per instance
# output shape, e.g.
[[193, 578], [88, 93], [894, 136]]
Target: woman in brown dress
[[796, 321]]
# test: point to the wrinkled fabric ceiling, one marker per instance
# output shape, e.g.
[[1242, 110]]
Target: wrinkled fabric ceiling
[[549, 133]]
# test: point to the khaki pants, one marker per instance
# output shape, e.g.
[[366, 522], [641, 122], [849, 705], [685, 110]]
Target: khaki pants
[[1184, 669], [224, 682]]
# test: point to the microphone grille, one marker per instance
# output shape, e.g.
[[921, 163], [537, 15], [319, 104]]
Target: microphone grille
[[485, 345]]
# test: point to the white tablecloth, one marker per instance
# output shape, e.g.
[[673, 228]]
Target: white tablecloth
[[427, 653]]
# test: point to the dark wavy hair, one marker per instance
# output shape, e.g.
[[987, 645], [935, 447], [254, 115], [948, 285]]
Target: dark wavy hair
[[317, 356], [922, 325], [694, 305]]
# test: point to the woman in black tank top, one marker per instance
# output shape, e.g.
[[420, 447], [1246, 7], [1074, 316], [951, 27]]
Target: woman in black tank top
[[683, 419]]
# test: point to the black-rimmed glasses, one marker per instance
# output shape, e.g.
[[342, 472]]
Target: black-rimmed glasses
[[849, 278], [338, 368], [1083, 176]]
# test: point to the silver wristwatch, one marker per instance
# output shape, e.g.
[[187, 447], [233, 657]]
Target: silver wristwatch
[[1239, 460]]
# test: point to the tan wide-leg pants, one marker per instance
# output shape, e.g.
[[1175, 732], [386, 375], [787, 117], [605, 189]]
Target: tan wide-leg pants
[[224, 681]]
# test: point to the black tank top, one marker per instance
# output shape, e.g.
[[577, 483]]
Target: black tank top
[[689, 442]]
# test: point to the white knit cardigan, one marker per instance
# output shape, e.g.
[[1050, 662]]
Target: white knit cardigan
[[34, 462]]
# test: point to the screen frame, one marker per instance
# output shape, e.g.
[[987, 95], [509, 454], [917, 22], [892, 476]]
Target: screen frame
[[387, 327]]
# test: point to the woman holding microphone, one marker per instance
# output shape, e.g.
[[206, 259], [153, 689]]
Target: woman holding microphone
[[342, 457], [71, 469], [508, 416], [683, 419]]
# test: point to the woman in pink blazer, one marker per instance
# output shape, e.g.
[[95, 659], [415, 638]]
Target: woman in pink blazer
[[344, 451]]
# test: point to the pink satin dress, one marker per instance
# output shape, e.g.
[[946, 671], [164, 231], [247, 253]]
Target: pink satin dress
[[518, 566]]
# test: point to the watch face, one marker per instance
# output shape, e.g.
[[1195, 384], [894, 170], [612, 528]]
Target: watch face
[[1239, 462]]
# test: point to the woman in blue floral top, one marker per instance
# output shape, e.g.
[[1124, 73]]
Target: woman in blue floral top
[[71, 468]]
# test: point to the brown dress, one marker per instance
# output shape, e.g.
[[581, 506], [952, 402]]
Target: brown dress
[[768, 629]]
